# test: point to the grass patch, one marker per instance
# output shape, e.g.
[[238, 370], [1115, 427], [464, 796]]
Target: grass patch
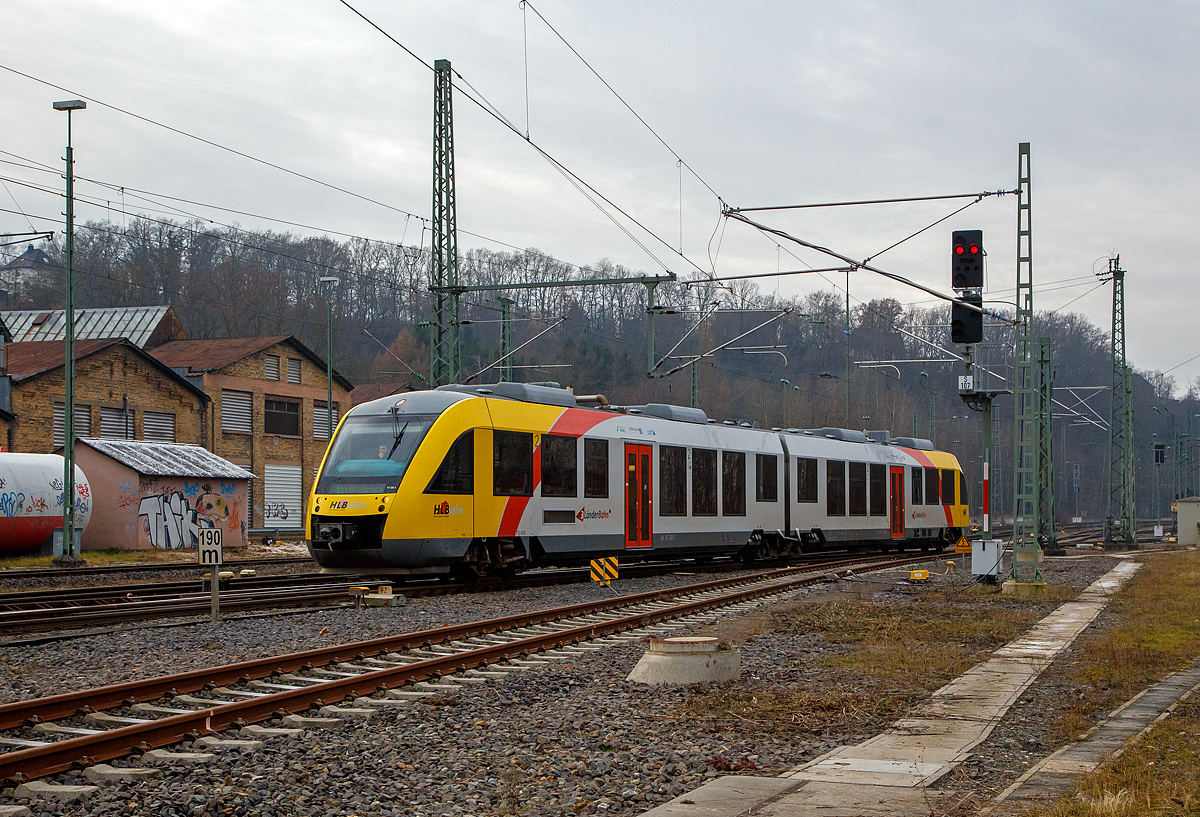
[[1160, 775], [103, 558], [1157, 632], [875, 659]]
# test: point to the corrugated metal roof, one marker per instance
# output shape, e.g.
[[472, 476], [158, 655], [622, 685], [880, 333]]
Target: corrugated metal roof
[[213, 354], [26, 360], [136, 323], [169, 459]]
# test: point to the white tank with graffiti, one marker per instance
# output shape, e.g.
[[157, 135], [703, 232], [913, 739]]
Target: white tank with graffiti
[[31, 500]]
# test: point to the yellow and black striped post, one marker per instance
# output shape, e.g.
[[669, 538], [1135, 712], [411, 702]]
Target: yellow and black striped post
[[604, 570]]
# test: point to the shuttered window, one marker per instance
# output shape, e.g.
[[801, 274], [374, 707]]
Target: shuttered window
[[283, 496], [293, 370], [83, 422], [320, 420], [272, 372], [237, 413], [115, 424], [158, 427]]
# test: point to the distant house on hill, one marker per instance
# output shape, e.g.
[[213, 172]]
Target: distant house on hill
[[23, 271], [144, 326]]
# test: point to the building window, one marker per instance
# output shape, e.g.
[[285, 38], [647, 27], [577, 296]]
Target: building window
[[947, 486], [512, 463], [856, 488], [456, 474], [158, 427], [237, 413], [878, 489], [835, 488], [559, 465], [321, 419], [704, 482], [595, 469], [806, 480], [733, 483], [281, 417], [766, 478], [672, 480], [932, 493], [272, 369], [918, 482], [293, 370], [83, 423]]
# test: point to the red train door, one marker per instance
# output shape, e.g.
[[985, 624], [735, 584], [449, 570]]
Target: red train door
[[637, 496], [896, 506]]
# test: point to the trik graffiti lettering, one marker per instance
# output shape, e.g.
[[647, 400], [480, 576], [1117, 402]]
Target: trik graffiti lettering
[[12, 503], [171, 522]]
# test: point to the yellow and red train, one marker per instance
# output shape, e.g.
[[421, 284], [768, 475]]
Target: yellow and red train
[[475, 481]]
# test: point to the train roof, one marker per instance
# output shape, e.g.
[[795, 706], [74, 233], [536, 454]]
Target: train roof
[[552, 394]]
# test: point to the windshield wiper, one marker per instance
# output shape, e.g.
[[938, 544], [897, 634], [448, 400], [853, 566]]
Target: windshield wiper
[[396, 444]]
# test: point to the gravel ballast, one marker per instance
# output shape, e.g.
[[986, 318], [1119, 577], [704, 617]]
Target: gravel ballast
[[570, 738]]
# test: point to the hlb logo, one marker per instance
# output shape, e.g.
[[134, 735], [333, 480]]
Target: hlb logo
[[445, 509]]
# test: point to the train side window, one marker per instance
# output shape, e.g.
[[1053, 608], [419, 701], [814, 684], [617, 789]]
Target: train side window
[[595, 469], [456, 474], [512, 463], [918, 482], [962, 490], [733, 483], [932, 492], [856, 489], [766, 478], [560, 471], [947, 486], [672, 480], [878, 489], [806, 480], [835, 488], [704, 482]]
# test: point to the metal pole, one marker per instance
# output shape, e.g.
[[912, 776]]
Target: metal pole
[[506, 372], [69, 348], [328, 374], [987, 467], [847, 349]]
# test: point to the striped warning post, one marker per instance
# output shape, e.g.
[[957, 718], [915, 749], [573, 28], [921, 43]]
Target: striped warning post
[[604, 570]]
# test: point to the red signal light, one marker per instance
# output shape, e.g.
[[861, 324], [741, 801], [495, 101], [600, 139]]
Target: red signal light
[[974, 249], [958, 248]]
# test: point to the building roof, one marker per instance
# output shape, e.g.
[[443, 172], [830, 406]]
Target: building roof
[[168, 459], [366, 392], [213, 354], [35, 358], [141, 325], [32, 258]]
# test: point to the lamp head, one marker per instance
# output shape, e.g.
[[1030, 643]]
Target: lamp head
[[70, 105]]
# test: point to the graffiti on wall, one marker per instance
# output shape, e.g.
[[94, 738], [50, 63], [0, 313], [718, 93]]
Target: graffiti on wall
[[172, 517]]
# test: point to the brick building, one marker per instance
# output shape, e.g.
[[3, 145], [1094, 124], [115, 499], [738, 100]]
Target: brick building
[[267, 414], [121, 393]]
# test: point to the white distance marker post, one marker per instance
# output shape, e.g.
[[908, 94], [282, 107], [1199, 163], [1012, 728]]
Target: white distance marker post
[[210, 556]]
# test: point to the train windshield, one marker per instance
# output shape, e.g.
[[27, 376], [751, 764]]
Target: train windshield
[[371, 453]]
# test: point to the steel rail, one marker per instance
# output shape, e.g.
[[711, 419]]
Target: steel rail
[[62, 755], [60, 572]]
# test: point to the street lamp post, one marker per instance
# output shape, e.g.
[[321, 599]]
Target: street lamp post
[[69, 557], [327, 284]]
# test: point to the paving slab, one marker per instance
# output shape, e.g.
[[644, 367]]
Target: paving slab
[[53, 791], [102, 772], [166, 756], [726, 797], [834, 800]]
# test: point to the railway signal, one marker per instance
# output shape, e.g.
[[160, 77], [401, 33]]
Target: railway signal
[[966, 324], [966, 259]]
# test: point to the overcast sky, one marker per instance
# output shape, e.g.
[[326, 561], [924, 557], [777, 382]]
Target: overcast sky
[[767, 103]]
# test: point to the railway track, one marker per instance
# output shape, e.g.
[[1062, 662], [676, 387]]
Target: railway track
[[59, 732], [147, 567], [67, 609]]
